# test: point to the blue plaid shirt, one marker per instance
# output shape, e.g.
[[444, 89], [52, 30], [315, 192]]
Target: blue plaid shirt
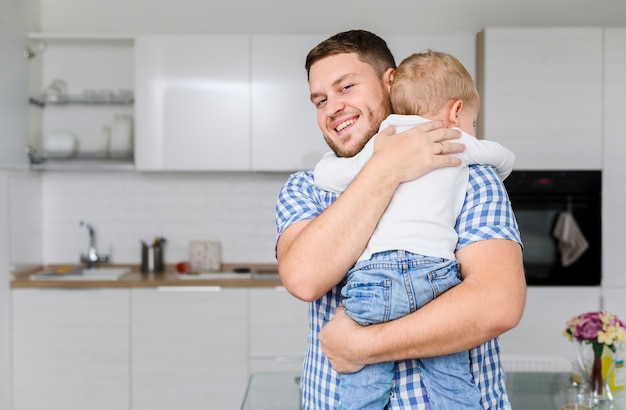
[[486, 214]]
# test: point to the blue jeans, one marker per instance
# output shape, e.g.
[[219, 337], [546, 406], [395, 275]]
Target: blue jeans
[[393, 284]]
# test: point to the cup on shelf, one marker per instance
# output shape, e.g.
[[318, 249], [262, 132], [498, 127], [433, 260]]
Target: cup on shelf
[[125, 96], [56, 92], [105, 142], [90, 96], [60, 144], [106, 96]]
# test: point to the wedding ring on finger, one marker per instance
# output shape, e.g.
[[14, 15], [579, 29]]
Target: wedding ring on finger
[[442, 148]]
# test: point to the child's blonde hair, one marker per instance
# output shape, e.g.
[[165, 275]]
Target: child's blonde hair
[[424, 82]]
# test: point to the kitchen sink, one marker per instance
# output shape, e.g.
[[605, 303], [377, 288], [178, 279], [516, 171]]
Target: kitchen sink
[[79, 273]]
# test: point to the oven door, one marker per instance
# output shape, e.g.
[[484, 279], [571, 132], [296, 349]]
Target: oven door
[[537, 216]]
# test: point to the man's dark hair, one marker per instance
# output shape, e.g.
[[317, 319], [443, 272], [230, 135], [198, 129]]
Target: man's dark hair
[[370, 48]]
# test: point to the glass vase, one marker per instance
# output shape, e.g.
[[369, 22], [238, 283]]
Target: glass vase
[[596, 372]]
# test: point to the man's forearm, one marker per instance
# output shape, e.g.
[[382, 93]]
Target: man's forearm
[[314, 255]]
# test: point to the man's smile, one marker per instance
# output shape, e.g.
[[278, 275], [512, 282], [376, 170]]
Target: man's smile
[[344, 123]]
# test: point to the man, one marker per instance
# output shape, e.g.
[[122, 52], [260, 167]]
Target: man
[[320, 236]]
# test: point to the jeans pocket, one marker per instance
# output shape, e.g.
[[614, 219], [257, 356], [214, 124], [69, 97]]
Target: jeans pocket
[[368, 302], [445, 276]]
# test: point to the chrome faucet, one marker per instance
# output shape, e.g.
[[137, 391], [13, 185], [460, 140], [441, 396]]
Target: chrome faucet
[[92, 258]]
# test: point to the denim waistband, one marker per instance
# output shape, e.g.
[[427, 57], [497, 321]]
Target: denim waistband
[[397, 255]]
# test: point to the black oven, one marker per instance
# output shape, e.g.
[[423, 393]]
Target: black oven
[[560, 222]]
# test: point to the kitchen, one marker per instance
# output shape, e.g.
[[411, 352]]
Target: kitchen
[[237, 207]]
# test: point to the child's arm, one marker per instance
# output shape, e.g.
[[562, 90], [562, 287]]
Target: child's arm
[[488, 153], [334, 174]]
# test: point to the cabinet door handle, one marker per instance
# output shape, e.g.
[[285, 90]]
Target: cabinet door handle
[[289, 359], [189, 288]]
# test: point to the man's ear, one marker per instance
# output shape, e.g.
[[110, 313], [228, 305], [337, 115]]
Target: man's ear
[[388, 78], [453, 114]]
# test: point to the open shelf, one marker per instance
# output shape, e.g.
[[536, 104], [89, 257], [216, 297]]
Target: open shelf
[[84, 162]]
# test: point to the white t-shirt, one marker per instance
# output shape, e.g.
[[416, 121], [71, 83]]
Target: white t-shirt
[[422, 213]]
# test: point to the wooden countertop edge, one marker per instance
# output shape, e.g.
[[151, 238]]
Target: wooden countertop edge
[[136, 279]]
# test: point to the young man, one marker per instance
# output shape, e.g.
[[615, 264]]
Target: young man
[[321, 236], [409, 259]]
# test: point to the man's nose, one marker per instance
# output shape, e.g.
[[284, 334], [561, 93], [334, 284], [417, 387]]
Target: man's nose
[[334, 105]]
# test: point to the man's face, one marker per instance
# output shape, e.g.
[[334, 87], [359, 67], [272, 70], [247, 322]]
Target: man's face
[[351, 101]]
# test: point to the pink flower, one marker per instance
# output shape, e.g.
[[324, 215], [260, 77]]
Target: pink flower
[[588, 326], [598, 328]]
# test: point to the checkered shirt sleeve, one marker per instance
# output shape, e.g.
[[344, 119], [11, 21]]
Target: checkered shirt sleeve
[[486, 214], [300, 199]]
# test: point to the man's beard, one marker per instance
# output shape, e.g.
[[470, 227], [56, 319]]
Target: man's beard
[[377, 118]]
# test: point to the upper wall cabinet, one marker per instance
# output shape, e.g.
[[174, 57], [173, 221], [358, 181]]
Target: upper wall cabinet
[[285, 135], [192, 103], [224, 103], [541, 92]]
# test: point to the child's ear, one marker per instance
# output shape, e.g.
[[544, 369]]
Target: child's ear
[[453, 114]]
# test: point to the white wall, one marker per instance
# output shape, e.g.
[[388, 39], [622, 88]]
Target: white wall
[[127, 207], [322, 16]]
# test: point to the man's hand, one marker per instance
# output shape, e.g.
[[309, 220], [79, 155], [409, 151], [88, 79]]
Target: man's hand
[[416, 151], [335, 341]]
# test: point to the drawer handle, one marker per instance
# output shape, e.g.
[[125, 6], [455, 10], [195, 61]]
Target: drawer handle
[[289, 359], [189, 288]]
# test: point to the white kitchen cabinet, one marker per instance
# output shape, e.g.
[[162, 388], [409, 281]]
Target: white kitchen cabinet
[[71, 349], [278, 330], [540, 332], [189, 348], [614, 167], [192, 103], [541, 94], [285, 135]]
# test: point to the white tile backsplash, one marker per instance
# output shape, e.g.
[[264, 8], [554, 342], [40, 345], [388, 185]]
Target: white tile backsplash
[[127, 207]]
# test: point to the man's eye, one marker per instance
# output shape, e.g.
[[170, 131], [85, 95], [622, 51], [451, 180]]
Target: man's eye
[[346, 87], [474, 124], [320, 103]]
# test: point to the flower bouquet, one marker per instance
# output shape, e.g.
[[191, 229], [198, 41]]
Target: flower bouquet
[[596, 331]]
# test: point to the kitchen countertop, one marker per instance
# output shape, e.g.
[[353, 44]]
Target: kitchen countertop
[[260, 275]]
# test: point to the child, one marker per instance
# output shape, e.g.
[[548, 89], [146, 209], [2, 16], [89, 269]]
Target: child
[[409, 259]]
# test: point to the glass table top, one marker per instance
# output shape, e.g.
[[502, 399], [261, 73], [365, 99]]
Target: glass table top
[[527, 391]]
